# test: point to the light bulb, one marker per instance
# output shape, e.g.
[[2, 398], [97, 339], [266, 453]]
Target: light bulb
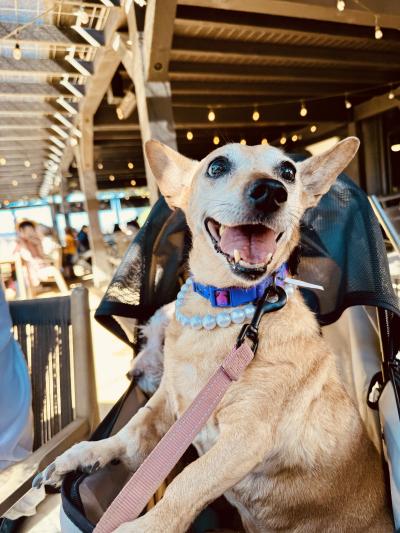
[[264, 141], [243, 141], [216, 139], [348, 104], [256, 115], [378, 31], [27, 163], [283, 140], [133, 183], [3, 161], [391, 95], [14, 183], [294, 138], [111, 177], [313, 128], [73, 141], [189, 136], [303, 110], [211, 116], [100, 166], [395, 147], [17, 54], [130, 165], [340, 5]]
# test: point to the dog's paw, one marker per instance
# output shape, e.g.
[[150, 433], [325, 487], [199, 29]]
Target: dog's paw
[[86, 456]]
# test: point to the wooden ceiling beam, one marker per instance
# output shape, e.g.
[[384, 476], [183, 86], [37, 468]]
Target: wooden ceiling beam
[[47, 35], [180, 70], [318, 17], [25, 109], [157, 38], [31, 67], [11, 91], [221, 50]]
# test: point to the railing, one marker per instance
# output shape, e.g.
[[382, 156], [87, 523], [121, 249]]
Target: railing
[[385, 222]]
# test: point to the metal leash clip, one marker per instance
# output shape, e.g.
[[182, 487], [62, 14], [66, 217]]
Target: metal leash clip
[[273, 299]]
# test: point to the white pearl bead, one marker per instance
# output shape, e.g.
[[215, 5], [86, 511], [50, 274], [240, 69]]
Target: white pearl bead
[[196, 322], [184, 289], [189, 282], [249, 311], [180, 296], [238, 316], [209, 322], [224, 320], [289, 289]]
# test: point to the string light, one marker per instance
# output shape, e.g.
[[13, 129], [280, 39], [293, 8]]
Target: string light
[[243, 141], [189, 136], [395, 147], [14, 183], [3, 161], [347, 103], [27, 163], [378, 31], [73, 141], [111, 177], [100, 166], [264, 141], [294, 138], [133, 183], [216, 139], [303, 110], [256, 115], [391, 95], [34, 176], [211, 116], [17, 53], [283, 139], [340, 5], [313, 128], [130, 165], [120, 113]]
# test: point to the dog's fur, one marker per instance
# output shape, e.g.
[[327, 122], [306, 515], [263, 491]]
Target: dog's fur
[[286, 445]]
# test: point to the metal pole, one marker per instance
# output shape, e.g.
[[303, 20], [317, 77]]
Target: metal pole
[[385, 222]]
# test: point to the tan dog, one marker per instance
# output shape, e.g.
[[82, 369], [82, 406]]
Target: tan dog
[[286, 445]]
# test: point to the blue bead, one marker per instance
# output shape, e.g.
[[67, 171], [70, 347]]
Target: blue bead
[[209, 322], [178, 304], [189, 282], [249, 311], [238, 316], [185, 320], [196, 322], [180, 296], [223, 320]]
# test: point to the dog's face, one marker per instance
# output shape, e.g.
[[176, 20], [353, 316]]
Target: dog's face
[[244, 204]]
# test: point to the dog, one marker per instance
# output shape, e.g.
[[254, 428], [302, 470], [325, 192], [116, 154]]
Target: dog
[[148, 366], [286, 444]]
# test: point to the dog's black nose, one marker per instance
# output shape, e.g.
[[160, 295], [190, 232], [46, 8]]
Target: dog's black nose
[[267, 194]]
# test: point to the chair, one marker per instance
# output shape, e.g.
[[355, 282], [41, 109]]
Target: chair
[[55, 336]]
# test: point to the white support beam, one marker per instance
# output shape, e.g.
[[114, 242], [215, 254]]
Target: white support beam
[[45, 35], [157, 38], [84, 155], [153, 98]]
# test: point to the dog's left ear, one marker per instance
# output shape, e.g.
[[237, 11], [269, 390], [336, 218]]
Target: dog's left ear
[[320, 171], [173, 172]]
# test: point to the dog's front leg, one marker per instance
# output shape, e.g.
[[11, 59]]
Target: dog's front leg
[[131, 444], [237, 451]]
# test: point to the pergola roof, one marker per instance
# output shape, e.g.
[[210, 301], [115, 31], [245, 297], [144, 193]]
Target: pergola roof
[[232, 57]]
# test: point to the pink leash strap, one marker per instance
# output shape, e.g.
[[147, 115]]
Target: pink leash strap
[[137, 492]]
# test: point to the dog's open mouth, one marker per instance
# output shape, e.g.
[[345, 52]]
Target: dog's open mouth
[[248, 248]]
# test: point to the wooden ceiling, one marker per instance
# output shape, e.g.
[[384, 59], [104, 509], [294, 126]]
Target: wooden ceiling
[[230, 56]]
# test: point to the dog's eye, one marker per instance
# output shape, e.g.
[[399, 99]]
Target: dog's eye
[[287, 171], [218, 167]]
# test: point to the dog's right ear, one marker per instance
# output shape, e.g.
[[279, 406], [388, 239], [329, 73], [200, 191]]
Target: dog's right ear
[[173, 172]]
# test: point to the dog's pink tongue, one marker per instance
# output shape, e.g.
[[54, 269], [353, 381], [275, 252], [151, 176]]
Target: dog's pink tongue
[[254, 243]]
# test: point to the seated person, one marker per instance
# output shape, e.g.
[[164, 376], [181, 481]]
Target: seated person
[[38, 266]]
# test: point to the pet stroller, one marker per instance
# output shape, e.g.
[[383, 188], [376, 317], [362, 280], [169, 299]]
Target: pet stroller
[[343, 250]]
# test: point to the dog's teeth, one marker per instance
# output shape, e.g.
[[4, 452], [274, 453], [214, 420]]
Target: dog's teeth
[[222, 228], [236, 255]]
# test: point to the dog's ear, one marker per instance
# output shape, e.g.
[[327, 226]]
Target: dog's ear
[[320, 171], [173, 172]]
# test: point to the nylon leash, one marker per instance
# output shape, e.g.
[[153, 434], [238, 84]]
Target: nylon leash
[[136, 493]]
